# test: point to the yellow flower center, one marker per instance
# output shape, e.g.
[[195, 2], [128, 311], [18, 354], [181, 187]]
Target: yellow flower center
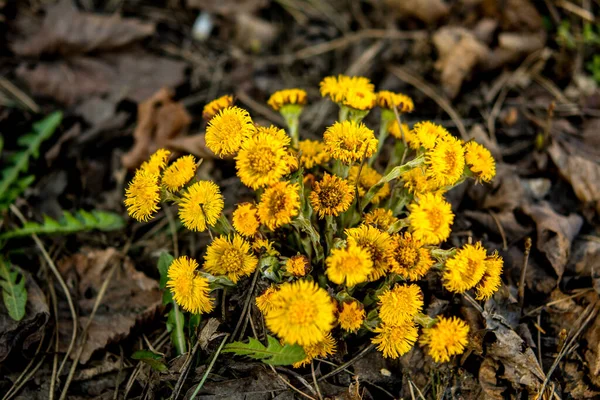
[[451, 161], [435, 217], [331, 197], [302, 312], [262, 159], [407, 256], [233, 258]]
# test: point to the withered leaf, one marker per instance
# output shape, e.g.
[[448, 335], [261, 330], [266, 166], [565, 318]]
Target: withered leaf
[[67, 31], [428, 11]]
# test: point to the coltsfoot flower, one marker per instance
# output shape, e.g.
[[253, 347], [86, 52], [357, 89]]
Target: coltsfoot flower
[[230, 256], [409, 136], [331, 196], [337, 87], [245, 219], [359, 99], [480, 161], [427, 134], [312, 153], [180, 172], [351, 316], [417, 181], [377, 243], [302, 313], [390, 100], [190, 291], [157, 162], [142, 195], [400, 305], [492, 278], [262, 159], [211, 109], [279, 204], [349, 266], [448, 337], [430, 218], [395, 340], [411, 260], [380, 218], [201, 206], [264, 302], [285, 97], [349, 141], [367, 179], [465, 269], [445, 162], [227, 130], [297, 265], [324, 348]]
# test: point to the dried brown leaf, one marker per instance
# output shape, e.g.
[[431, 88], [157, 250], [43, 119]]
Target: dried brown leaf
[[428, 11]]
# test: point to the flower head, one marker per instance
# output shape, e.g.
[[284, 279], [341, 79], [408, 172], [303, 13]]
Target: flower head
[[465, 269], [264, 302], [212, 108], [368, 178], [302, 313], [230, 256], [351, 316], [337, 87], [349, 266], [409, 136], [359, 98], [297, 265], [417, 181], [480, 161], [279, 204], [395, 340], [262, 159], [400, 305], [446, 338], [445, 162], [323, 348], [227, 130], [331, 196], [390, 100], [427, 134], [179, 173], [190, 291], [264, 246], [312, 153], [430, 218], [282, 98], [245, 219], [411, 260], [349, 141], [377, 243], [201, 206], [380, 218], [492, 278], [142, 195], [157, 162]]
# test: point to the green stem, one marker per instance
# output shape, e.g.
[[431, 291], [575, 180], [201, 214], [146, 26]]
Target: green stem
[[178, 336], [343, 114]]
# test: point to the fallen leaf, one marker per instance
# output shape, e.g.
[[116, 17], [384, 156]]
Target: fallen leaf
[[514, 15], [227, 7], [20, 335], [428, 11], [160, 119], [576, 385], [507, 191], [512, 229], [459, 52], [488, 379], [555, 233], [67, 31], [130, 298], [585, 258]]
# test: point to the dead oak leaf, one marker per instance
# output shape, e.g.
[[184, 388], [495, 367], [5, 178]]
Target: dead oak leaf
[[67, 31]]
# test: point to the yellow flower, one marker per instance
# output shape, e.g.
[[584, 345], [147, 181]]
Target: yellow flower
[[412, 261], [430, 218], [262, 160], [368, 178], [142, 195], [331, 196], [276, 134], [337, 87], [189, 290], [446, 338], [417, 182], [390, 100], [230, 256], [279, 204], [245, 219], [157, 162], [201, 206], [351, 316], [297, 265], [321, 349], [465, 269], [312, 152], [492, 278], [446, 162], [410, 137], [359, 99], [264, 246], [380, 218], [427, 134], [264, 302], [291, 161], [480, 161], [302, 313], [349, 141], [395, 340], [179, 173], [349, 266], [227, 130], [379, 245], [212, 108], [400, 305], [285, 97]]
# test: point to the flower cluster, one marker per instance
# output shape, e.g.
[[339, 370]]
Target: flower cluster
[[342, 230]]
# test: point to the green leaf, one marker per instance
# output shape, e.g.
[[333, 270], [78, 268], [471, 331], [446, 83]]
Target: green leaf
[[152, 359], [273, 354], [11, 183], [14, 293], [69, 223], [164, 262], [175, 324]]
